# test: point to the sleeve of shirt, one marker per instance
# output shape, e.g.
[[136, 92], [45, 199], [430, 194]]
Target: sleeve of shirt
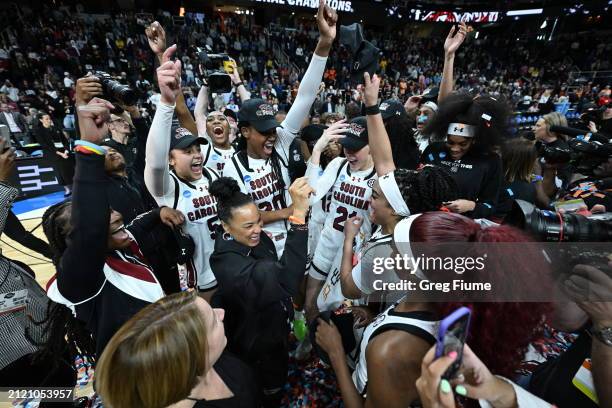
[[524, 398], [489, 193], [306, 95], [156, 175], [322, 181]]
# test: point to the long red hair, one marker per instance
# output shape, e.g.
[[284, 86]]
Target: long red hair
[[500, 332]]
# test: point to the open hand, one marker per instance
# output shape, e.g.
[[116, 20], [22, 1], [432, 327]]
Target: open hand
[[455, 38]]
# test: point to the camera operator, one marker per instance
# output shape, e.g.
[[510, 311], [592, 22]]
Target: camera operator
[[601, 120], [552, 147]]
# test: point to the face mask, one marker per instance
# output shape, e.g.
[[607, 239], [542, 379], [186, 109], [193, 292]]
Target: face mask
[[421, 119]]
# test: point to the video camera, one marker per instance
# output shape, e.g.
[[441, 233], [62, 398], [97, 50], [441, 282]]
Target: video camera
[[550, 226], [593, 113], [214, 68], [114, 90], [588, 150]]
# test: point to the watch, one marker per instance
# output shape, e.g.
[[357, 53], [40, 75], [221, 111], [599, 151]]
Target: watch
[[604, 335]]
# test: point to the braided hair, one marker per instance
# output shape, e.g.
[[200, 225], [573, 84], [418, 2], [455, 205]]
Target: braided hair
[[64, 331], [426, 189], [228, 195]]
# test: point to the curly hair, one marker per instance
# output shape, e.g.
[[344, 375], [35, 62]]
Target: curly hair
[[499, 332], [462, 107], [426, 189]]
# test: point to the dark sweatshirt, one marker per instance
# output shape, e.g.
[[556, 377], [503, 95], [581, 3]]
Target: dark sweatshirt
[[478, 176], [80, 273], [255, 289]]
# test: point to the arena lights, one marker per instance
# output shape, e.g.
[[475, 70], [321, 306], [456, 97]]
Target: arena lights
[[527, 12]]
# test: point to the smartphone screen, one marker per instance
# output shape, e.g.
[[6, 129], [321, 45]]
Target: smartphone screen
[[451, 337]]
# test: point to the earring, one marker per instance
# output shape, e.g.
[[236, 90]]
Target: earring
[[227, 236]]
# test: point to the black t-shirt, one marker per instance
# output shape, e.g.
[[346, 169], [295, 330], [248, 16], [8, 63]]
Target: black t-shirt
[[517, 190], [478, 176], [605, 127], [239, 379]]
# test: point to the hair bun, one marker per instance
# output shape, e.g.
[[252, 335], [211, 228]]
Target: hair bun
[[224, 188]]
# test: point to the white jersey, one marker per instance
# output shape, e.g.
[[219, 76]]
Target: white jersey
[[419, 324], [268, 189], [200, 210], [350, 195], [331, 297], [318, 213], [216, 158]]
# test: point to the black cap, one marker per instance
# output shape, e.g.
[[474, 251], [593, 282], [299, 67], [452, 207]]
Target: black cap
[[351, 36], [312, 133], [113, 144], [182, 138], [391, 107], [366, 60], [259, 114], [430, 95], [230, 113], [356, 136]]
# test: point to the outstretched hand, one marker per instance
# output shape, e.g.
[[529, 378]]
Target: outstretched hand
[[157, 38], [371, 89], [93, 120], [326, 20], [455, 38], [169, 77]]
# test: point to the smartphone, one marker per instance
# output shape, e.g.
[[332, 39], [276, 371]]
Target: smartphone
[[5, 135], [451, 337]]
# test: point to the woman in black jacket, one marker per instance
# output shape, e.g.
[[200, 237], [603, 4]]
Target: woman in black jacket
[[255, 287], [46, 135]]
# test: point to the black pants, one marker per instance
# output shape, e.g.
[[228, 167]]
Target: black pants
[[271, 370], [15, 231], [27, 372]]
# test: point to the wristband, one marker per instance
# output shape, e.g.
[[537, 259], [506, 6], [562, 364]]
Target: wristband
[[86, 150], [237, 84], [296, 220], [86, 146], [372, 110]]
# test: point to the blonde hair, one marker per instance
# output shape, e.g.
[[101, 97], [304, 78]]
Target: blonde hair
[[156, 357], [555, 119]]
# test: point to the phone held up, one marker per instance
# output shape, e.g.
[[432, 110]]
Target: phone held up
[[452, 333]]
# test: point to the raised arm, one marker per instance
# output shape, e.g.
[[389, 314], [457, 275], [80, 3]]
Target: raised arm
[[201, 111], [237, 82], [157, 177], [157, 41], [452, 43], [307, 92], [378, 140], [90, 212]]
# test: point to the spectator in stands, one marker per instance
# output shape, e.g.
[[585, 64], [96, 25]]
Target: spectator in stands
[[17, 125]]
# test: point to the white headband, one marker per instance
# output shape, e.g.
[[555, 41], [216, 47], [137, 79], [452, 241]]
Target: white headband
[[401, 238], [431, 105], [392, 193], [461, 129]]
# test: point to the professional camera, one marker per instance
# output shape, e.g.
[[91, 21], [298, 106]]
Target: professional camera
[[115, 90], [553, 226], [213, 69], [592, 113], [553, 154], [588, 150]]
